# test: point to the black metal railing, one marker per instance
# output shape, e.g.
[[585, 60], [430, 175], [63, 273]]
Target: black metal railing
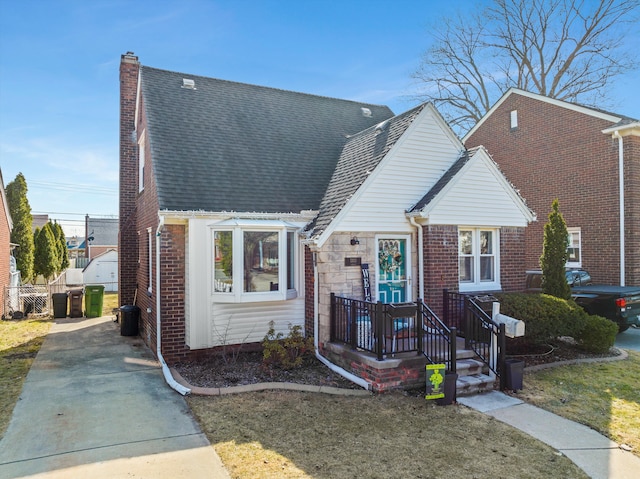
[[440, 345], [388, 329], [482, 335]]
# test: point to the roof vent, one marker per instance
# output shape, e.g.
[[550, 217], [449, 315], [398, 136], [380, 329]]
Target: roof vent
[[366, 112], [188, 83], [380, 127]]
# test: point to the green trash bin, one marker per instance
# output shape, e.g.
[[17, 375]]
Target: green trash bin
[[93, 296]]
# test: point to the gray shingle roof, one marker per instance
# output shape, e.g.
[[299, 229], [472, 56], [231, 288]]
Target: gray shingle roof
[[103, 230], [360, 156], [442, 182], [227, 146]]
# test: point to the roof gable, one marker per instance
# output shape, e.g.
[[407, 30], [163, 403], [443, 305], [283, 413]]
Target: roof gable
[[226, 146], [359, 158], [613, 118], [474, 191]]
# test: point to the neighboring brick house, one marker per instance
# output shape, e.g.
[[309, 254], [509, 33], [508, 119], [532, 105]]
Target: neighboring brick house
[[553, 149], [257, 203], [6, 226]]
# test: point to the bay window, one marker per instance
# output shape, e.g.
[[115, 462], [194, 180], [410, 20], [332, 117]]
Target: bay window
[[478, 259], [252, 263]]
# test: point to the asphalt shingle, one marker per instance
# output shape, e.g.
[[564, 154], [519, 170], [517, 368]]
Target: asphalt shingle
[[227, 146]]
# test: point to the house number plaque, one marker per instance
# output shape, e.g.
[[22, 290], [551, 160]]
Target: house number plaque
[[352, 261]]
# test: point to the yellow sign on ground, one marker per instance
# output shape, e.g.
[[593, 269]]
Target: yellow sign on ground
[[435, 381]]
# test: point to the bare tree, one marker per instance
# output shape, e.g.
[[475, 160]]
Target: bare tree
[[565, 49]]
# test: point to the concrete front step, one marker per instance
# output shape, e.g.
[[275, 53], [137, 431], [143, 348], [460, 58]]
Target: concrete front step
[[469, 367], [472, 384]]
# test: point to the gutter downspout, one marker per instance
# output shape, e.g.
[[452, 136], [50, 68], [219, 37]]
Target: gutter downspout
[[413, 222], [316, 328], [165, 369], [616, 134]]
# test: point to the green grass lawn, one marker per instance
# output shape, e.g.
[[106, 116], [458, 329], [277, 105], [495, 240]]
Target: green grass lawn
[[603, 396], [20, 341]]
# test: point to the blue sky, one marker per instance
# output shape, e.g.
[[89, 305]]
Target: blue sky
[[59, 64]]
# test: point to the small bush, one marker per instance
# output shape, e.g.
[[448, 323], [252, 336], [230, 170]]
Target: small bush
[[598, 334], [546, 317], [285, 352]]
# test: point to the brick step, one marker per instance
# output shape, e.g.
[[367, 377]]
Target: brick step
[[473, 384], [469, 367]]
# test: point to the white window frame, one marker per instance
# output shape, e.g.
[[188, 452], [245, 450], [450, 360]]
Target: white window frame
[[141, 160], [572, 233], [237, 293], [477, 284]]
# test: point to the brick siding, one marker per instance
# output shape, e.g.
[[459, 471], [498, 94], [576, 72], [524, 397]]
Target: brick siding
[[127, 235], [559, 153], [440, 244]]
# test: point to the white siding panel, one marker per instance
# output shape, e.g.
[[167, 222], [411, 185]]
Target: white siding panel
[[237, 323], [478, 198], [404, 178], [198, 279]]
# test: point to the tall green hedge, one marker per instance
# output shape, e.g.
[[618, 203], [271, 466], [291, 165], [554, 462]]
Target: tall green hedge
[[547, 317]]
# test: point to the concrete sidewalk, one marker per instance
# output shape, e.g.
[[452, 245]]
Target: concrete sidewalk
[[95, 404], [596, 455]]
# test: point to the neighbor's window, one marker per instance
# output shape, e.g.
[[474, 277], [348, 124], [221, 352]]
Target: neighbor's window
[[265, 257], [574, 258], [478, 259], [514, 119]]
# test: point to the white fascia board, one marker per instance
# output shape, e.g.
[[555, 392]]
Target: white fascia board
[[330, 229], [181, 217], [552, 101], [630, 129]]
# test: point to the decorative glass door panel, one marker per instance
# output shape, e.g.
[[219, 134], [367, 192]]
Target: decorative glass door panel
[[392, 270]]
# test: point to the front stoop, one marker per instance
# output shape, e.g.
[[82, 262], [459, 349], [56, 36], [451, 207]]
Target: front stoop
[[472, 377]]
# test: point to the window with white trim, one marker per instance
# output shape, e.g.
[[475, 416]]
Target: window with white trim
[[574, 250], [478, 259], [251, 263]]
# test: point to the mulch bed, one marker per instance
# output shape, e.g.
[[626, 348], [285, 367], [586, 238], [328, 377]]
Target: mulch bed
[[247, 367]]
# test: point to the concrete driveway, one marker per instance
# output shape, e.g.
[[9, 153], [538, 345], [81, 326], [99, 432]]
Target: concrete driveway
[[630, 339], [95, 405]]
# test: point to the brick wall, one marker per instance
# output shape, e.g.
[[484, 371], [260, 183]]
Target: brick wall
[[440, 246], [308, 291], [632, 209], [5, 249], [512, 263], [127, 235], [559, 153], [172, 294]]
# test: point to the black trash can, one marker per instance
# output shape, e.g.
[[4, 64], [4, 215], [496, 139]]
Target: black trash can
[[514, 370], [129, 317], [59, 305], [75, 300]]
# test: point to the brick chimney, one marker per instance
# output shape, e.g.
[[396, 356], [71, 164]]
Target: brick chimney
[[128, 235]]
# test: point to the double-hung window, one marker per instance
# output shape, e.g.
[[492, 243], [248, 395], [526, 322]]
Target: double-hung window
[[574, 258], [253, 263], [478, 259]]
